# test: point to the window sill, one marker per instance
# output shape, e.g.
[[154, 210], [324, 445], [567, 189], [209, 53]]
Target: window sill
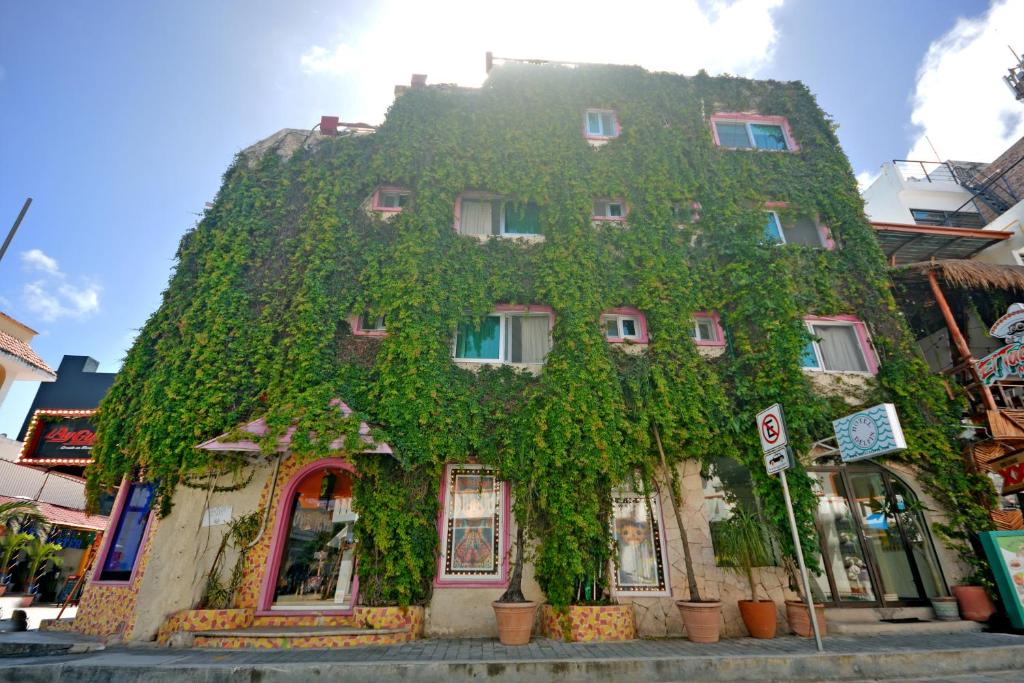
[[476, 365], [852, 387], [757, 149], [522, 239], [711, 351], [596, 142], [633, 348]]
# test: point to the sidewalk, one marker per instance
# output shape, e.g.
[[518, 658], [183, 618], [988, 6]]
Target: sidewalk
[[847, 658]]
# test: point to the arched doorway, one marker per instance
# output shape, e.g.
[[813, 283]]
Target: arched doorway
[[312, 555], [876, 547]]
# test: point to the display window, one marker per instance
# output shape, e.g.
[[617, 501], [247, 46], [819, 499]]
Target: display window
[[640, 562], [473, 526]]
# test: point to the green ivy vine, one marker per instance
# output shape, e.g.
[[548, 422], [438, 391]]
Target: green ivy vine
[[254, 320]]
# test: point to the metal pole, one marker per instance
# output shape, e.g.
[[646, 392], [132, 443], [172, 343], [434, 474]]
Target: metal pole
[[800, 560], [14, 228]]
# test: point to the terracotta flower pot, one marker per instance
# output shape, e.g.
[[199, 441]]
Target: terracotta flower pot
[[945, 609], [759, 617], [515, 621], [974, 602], [702, 620], [800, 621]]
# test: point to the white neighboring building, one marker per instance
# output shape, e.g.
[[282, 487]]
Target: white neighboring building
[[17, 359]]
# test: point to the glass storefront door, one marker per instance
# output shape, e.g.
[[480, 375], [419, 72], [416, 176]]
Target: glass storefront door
[[875, 543]]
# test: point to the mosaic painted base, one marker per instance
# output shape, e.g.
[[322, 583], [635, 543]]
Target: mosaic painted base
[[301, 642], [607, 622]]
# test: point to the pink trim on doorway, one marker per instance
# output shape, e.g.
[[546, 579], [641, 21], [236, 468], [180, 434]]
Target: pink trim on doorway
[[642, 337], [618, 127], [108, 538], [500, 581], [277, 543], [719, 332], [752, 117], [859, 329]]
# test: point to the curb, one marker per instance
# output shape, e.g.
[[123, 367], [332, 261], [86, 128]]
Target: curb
[[780, 668]]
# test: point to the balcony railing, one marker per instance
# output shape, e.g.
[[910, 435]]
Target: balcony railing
[[929, 171]]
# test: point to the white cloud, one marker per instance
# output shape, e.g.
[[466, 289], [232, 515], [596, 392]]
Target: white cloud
[[36, 259], [960, 101], [447, 39], [54, 297], [865, 178]]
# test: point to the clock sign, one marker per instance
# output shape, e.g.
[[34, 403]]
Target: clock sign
[[869, 433]]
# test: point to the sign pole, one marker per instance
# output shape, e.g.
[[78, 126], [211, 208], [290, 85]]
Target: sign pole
[[800, 560]]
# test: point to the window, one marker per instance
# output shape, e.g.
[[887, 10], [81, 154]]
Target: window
[[706, 330], [727, 486], [369, 325], [496, 216], [957, 219], [316, 545], [622, 324], [609, 210], [797, 230], [640, 565], [390, 199], [505, 337], [474, 511], [126, 541], [601, 123], [837, 347], [751, 131]]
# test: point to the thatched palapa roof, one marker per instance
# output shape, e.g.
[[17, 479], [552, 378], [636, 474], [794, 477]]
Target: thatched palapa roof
[[964, 274]]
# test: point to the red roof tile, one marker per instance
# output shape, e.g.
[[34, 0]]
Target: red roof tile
[[61, 516], [23, 352]]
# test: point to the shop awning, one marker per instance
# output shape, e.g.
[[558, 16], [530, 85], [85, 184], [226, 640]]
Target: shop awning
[[61, 516], [259, 428], [963, 274], [904, 243]]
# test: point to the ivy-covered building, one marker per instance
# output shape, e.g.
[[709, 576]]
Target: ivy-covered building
[[543, 305]]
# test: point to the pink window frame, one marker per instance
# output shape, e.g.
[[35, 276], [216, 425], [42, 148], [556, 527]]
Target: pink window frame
[[505, 506], [263, 607], [356, 323], [387, 188], [824, 232], [716, 322], [615, 115], [750, 117], [610, 219], [863, 339], [641, 337], [108, 538]]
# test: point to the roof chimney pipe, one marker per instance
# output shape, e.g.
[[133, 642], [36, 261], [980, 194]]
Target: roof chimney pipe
[[419, 80]]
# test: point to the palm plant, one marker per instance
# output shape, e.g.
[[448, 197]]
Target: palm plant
[[11, 545], [42, 557], [19, 515], [744, 545]]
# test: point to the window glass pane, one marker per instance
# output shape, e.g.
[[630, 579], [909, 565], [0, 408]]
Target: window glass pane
[[471, 540], [389, 200], [840, 349], [838, 536], [600, 208], [732, 134], [479, 344], [475, 218], [636, 525], [522, 219], [767, 136], [772, 229], [615, 210], [528, 339], [593, 123], [608, 125], [318, 553], [727, 486], [705, 330], [628, 327], [808, 358], [127, 541], [371, 323], [802, 230], [402, 199]]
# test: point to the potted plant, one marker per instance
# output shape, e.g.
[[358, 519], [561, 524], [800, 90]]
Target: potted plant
[[41, 557], [796, 610], [973, 599], [702, 619], [514, 613], [945, 607], [744, 546], [11, 547]]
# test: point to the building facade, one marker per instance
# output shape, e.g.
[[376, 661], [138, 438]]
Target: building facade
[[547, 302]]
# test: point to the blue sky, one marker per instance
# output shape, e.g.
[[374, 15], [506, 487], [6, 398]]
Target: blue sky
[[119, 118]]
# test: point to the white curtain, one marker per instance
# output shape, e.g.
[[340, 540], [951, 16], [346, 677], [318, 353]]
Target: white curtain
[[475, 218], [839, 348], [804, 231], [528, 338]]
